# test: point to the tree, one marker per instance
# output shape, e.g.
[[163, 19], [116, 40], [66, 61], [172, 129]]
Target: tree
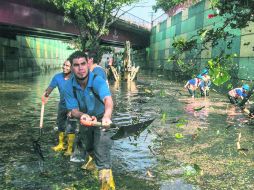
[[92, 18]]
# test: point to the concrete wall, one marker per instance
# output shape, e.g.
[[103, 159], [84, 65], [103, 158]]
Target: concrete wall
[[186, 24], [25, 56]]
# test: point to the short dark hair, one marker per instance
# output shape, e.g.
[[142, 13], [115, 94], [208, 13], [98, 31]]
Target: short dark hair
[[95, 55], [77, 54]]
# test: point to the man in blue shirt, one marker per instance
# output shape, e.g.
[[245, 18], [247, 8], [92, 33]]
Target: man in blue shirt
[[93, 65], [88, 98], [238, 93], [192, 85], [205, 83], [63, 123]]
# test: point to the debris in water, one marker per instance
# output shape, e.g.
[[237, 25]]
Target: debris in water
[[198, 108], [149, 174]]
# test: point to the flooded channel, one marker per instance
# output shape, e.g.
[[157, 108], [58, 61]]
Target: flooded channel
[[192, 144]]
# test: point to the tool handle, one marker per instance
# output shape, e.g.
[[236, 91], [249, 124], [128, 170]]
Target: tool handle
[[42, 114], [94, 124]]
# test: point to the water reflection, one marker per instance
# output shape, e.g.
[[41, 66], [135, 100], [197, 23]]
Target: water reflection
[[21, 168]]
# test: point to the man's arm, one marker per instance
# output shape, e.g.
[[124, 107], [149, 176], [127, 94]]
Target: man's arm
[[48, 91], [108, 102]]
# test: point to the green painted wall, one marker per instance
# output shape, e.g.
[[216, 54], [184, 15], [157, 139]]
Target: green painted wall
[[29, 55], [186, 24]]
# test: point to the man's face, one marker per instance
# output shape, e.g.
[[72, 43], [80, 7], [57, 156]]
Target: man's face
[[66, 67], [80, 68]]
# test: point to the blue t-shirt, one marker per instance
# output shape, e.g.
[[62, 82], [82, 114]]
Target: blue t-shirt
[[87, 100], [100, 72], [239, 92], [193, 81], [59, 82]]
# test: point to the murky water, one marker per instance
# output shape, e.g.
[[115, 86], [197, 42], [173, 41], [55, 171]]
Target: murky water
[[182, 149]]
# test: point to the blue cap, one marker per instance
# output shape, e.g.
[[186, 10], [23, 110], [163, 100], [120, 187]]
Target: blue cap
[[204, 72], [246, 87], [199, 76]]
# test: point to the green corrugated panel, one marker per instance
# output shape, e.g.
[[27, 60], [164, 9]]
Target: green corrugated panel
[[218, 48], [208, 21], [188, 25], [164, 34], [158, 37], [199, 20], [170, 32], [171, 50], [161, 54], [24, 43], [236, 32], [235, 46], [197, 8], [191, 33], [162, 45], [176, 19], [246, 68], [17, 37], [53, 51], [163, 25], [152, 38], [178, 29], [153, 31]]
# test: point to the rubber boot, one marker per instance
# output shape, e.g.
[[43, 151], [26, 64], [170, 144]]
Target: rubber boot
[[89, 165], [106, 179], [60, 145], [71, 138]]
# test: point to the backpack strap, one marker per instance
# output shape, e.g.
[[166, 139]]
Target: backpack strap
[[91, 88], [94, 93]]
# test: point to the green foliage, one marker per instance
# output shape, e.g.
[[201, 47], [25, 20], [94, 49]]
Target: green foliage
[[91, 18], [164, 117], [186, 67], [166, 5], [220, 68]]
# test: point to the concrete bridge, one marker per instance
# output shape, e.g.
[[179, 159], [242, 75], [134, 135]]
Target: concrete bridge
[[34, 37], [35, 19]]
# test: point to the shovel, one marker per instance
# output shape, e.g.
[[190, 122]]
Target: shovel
[[121, 130], [36, 144]]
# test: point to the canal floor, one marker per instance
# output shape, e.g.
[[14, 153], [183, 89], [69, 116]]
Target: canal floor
[[192, 144]]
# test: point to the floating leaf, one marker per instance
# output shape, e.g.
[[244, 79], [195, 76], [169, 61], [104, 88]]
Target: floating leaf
[[180, 124], [149, 174], [148, 91], [199, 108], [179, 135], [164, 116]]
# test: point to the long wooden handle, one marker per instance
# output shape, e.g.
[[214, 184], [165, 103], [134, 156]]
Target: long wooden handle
[[95, 124], [42, 114]]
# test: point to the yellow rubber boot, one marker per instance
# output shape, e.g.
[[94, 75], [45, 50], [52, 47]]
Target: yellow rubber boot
[[60, 145], [106, 179], [89, 165], [71, 138]]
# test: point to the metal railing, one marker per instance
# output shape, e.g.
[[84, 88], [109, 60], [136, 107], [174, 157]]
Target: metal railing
[[132, 19]]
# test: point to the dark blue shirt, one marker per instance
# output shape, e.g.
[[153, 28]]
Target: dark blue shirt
[[89, 100]]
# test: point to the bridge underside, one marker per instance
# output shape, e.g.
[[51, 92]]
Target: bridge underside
[[21, 19]]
